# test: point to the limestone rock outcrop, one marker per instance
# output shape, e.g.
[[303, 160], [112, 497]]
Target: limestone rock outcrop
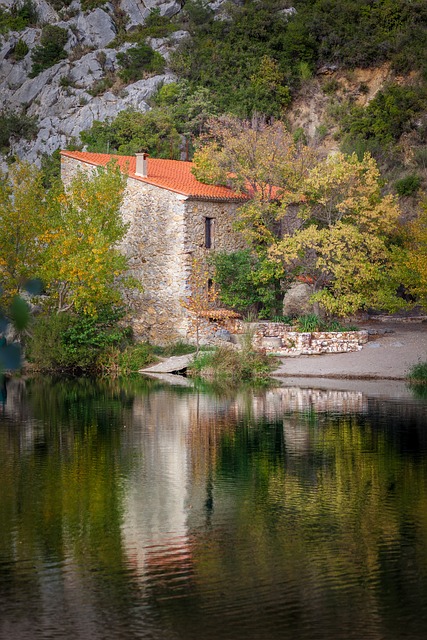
[[63, 98]]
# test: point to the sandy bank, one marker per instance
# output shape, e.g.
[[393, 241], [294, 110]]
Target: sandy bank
[[387, 356]]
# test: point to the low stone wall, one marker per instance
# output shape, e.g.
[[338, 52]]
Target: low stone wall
[[281, 339]]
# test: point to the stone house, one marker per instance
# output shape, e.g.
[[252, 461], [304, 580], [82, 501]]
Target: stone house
[[173, 218]]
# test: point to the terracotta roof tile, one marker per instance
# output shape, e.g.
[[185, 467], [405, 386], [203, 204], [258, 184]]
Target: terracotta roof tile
[[173, 175]]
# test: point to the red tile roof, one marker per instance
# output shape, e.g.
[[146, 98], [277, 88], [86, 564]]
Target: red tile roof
[[173, 175]]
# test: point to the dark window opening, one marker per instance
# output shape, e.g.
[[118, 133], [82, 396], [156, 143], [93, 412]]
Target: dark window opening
[[208, 232]]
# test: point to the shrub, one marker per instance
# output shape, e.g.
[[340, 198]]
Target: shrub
[[21, 49], [71, 341], [418, 373], [244, 286], [233, 366], [18, 125], [408, 186], [135, 357], [308, 323], [18, 17], [51, 49], [138, 62]]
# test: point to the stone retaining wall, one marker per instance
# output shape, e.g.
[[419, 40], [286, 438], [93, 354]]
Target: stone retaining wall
[[281, 339]]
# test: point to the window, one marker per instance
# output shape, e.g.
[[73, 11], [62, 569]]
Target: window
[[208, 232]]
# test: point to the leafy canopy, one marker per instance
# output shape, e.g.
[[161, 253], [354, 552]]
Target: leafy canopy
[[84, 268]]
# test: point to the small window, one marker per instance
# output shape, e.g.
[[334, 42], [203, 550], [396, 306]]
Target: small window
[[208, 232]]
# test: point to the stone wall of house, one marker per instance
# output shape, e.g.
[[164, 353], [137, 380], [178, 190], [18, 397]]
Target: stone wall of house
[[166, 231]]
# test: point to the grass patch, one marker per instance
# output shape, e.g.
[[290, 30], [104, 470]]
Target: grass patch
[[233, 366], [418, 373], [312, 322]]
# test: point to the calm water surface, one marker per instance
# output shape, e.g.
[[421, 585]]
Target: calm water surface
[[136, 510]]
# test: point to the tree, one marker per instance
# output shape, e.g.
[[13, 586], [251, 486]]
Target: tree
[[265, 163], [24, 219], [345, 241], [84, 267], [132, 132], [252, 157], [325, 219]]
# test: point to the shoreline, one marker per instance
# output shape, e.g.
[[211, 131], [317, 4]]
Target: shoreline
[[388, 355]]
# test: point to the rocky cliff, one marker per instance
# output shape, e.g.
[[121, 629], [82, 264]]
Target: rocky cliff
[[61, 99]]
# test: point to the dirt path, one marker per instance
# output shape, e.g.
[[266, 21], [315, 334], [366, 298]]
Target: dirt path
[[385, 356]]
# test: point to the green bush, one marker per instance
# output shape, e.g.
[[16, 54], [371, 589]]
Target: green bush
[[232, 366], [70, 341], [390, 114], [51, 49], [20, 51], [135, 357], [133, 131], [19, 17], [18, 125], [312, 322], [408, 186], [418, 373], [138, 61], [242, 285]]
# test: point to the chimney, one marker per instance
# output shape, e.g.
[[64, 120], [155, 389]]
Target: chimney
[[141, 165]]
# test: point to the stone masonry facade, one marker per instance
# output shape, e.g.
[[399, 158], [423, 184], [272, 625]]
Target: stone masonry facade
[[166, 232]]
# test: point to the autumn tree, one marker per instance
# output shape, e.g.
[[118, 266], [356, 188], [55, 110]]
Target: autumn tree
[[84, 268], [24, 219], [345, 241], [265, 164], [323, 218]]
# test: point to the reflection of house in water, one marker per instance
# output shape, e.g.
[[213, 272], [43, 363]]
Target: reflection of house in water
[[177, 438]]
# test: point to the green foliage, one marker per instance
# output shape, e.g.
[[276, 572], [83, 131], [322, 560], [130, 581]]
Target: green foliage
[[17, 125], [83, 266], [308, 323], [240, 60], [312, 322], [242, 284], [20, 16], [175, 349], [390, 114], [132, 132], [24, 219], [418, 372], [21, 49], [51, 49], [361, 33], [139, 61], [135, 357], [76, 341], [14, 313], [408, 186], [89, 5], [156, 25], [232, 366]]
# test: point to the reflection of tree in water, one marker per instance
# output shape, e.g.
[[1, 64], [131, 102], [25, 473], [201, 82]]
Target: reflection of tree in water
[[252, 519], [61, 502]]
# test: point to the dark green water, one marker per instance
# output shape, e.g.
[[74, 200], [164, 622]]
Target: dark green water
[[143, 511]]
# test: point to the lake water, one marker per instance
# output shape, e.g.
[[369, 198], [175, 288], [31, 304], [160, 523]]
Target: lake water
[[139, 510]]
